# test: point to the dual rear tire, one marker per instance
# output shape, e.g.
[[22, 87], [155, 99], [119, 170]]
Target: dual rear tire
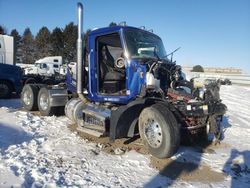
[[29, 97], [44, 104], [36, 97]]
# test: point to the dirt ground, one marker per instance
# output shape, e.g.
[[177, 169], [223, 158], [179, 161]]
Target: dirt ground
[[172, 169]]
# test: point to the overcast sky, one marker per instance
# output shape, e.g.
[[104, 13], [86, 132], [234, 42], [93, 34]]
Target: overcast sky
[[210, 33]]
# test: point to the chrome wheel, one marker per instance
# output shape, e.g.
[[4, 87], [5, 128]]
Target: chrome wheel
[[153, 133], [27, 98], [44, 102]]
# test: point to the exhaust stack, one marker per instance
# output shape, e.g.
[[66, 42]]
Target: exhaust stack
[[80, 63]]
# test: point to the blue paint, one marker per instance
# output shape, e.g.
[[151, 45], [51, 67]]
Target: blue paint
[[135, 72], [70, 82], [13, 75]]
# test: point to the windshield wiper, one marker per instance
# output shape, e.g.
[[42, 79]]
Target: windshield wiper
[[172, 54]]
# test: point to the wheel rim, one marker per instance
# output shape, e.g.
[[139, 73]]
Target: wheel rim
[[3, 90], [153, 133], [27, 98], [44, 101]]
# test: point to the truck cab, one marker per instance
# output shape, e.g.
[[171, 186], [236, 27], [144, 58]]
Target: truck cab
[[46, 66], [117, 60]]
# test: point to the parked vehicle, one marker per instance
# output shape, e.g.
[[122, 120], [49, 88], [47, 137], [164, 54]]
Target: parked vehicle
[[7, 50], [225, 81], [10, 80], [47, 66], [128, 86]]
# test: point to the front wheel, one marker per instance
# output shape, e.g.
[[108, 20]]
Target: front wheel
[[159, 131]]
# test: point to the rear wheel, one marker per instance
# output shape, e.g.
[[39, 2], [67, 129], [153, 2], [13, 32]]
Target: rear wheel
[[44, 104], [5, 89], [159, 131], [29, 97]]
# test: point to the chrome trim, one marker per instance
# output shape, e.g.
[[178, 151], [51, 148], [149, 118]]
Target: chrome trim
[[80, 62], [153, 133]]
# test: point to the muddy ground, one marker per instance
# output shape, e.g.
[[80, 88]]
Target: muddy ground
[[172, 169]]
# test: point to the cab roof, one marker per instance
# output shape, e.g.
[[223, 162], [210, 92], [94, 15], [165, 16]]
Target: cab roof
[[116, 29]]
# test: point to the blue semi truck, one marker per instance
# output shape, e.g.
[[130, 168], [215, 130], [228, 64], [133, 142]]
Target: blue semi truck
[[125, 85], [10, 80]]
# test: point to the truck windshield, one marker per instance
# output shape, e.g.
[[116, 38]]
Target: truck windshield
[[142, 44]]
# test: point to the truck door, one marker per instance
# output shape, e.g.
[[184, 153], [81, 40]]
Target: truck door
[[110, 65]]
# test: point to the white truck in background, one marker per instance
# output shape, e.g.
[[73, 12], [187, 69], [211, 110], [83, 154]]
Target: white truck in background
[[7, 50], [48, 70], [47, 66]]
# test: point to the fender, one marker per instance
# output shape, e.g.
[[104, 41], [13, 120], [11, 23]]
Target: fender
[[58, 96], [123, 120]]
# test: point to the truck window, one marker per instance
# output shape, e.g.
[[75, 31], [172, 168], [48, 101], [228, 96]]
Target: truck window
[[55, 60], [43, 66], [55, 66]]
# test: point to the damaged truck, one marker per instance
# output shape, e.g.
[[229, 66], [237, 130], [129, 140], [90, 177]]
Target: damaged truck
[[124, 85]]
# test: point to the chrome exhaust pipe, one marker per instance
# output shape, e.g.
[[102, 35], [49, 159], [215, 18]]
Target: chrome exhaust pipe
[[80, 63], [73, 108], [80, 60]]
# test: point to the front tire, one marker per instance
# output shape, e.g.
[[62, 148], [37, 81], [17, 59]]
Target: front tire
[[159, 131]]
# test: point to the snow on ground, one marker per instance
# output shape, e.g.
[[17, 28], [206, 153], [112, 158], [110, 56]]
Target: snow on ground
[[41, 151]]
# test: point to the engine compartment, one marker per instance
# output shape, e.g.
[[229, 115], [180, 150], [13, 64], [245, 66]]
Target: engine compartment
[[196, 105]]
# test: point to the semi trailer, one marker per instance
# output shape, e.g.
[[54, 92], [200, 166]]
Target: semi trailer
[[7, 50], [124, 85]]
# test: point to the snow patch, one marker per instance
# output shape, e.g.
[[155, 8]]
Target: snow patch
[[42, 151]]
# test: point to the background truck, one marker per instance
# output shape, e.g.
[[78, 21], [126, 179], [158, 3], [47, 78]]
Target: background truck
[[7, 50], [48, 70], [10, 80], [124, 86], [47, 66]]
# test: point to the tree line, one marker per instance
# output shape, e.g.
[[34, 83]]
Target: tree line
[[58, 42]]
